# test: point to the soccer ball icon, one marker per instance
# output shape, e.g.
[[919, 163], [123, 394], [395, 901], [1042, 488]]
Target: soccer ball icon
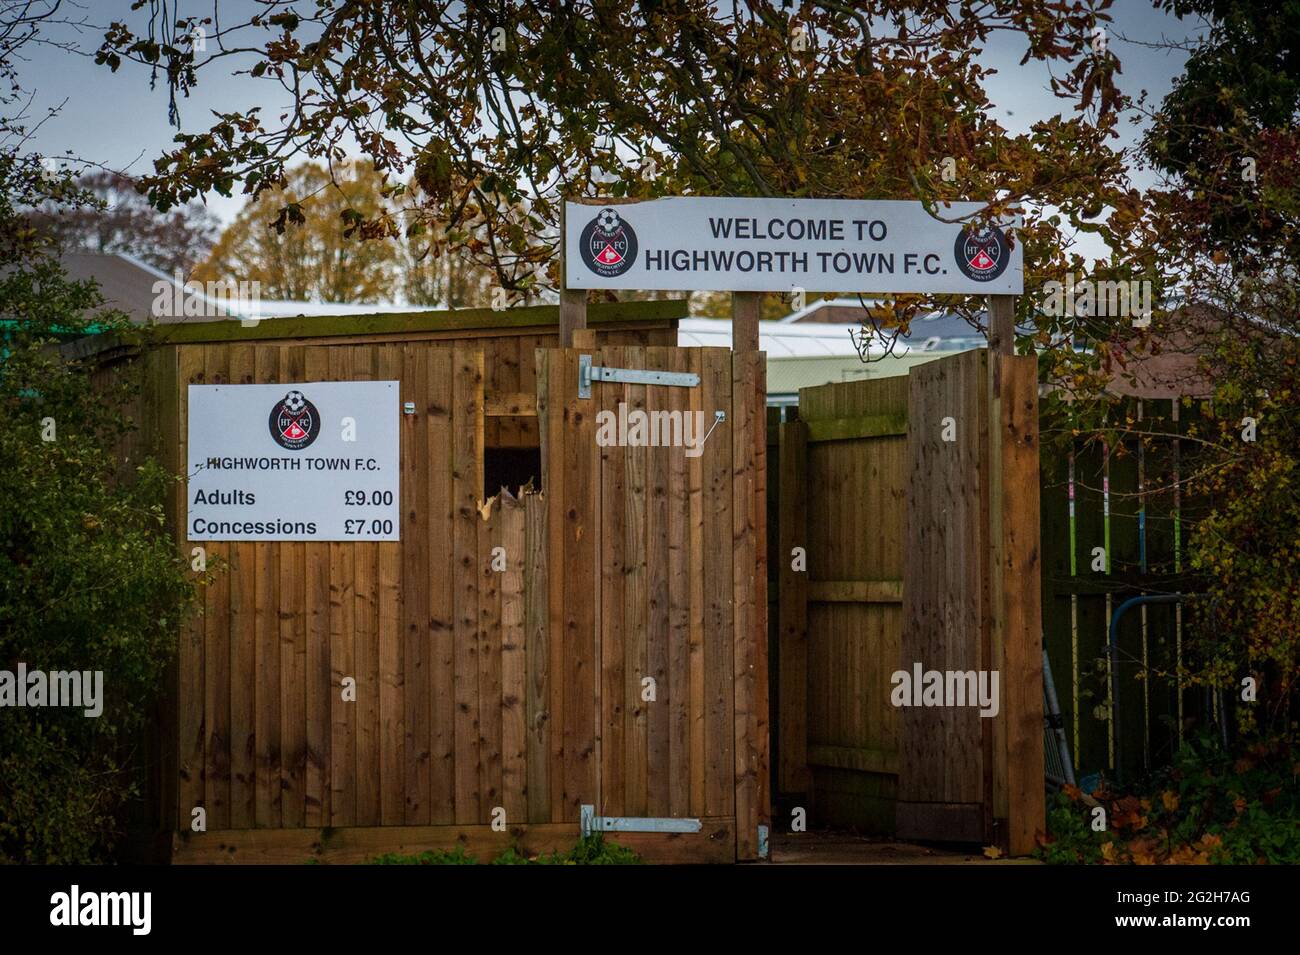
[[607, 220], [295, 401]]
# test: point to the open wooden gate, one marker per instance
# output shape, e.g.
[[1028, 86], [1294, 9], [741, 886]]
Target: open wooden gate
[[917, 501], [658, 620]]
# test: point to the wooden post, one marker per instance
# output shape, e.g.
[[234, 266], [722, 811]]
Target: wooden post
[[792, 727], [573, 302], [1002, 325], [749, 512], [745, 309], [1017, 603]]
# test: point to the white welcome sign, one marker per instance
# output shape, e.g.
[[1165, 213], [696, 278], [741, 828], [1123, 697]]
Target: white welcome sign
[[775, 245]]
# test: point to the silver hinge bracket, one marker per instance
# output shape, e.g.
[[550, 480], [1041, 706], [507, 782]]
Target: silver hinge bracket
[[587, 373], [762, 842], [593, 823]]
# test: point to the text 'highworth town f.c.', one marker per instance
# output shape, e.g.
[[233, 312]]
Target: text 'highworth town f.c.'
[[775, 245]]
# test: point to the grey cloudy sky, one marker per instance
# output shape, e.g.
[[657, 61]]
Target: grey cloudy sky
[[119, 121]]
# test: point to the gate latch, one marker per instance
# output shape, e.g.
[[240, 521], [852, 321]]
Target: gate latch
[[593, 823], [587, 373]]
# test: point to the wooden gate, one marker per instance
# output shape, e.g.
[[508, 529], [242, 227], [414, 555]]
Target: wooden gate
[[918, 501], [661, 606]]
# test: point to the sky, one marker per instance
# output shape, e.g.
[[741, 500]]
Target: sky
[[118, 120]]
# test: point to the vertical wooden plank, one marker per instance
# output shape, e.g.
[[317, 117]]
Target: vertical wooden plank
[[439, 577], [1022, 652], [612, 589], [580, 538], [514, 682], [320, 688], [678, 684], [537, 624], [266, 651], [343, 713], [529, 435], [658, 401], [196, 695], [418, 637], [761, 735], [702, 399], [719, 740], [238, 682], [750, 633], [489, 658], [365, 641], [793, 666], [292, 612], [552, 387], [391, 644], [978, 536], [467, 484], [636, 599]]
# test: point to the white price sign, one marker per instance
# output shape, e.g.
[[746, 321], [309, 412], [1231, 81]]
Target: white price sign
[[310, 461], [774, 245]]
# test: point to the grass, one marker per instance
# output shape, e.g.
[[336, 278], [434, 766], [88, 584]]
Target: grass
[[590, 850]]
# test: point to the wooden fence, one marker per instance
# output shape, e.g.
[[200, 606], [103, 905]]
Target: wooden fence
[[485, 693], [918, 501], [842, 476]]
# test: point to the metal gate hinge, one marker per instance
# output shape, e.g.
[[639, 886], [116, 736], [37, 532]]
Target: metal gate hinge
[[594, 823], [587, 373]]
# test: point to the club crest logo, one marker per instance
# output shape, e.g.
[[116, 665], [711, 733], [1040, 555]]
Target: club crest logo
[[982, 254], [608, 244], [295, 422]]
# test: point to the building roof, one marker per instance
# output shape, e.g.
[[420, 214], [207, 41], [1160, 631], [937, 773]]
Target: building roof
[[132, 286]]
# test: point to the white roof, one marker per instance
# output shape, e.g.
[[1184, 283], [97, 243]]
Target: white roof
[[809, 340], [269, 308], [778, 339]]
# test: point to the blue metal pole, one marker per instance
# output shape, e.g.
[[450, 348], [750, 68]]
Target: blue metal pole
[[1113, 651]]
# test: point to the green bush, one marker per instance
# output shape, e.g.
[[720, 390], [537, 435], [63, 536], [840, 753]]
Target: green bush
[[456, 856], [90, 578], [1209, 807]]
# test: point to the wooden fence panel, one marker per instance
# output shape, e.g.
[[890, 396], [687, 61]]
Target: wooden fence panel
[[266, 738], [932, 477], [855, 438], [649, 547], [480, 682], [941, 791]]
